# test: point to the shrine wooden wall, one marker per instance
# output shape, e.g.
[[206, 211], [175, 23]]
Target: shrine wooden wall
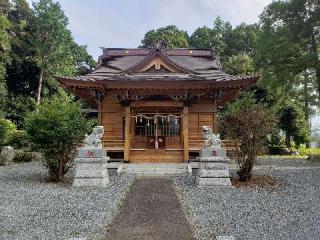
[[200, 114], [111, 115]]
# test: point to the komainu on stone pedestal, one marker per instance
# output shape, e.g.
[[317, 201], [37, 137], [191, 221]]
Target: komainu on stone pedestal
[[91, 161], [213, 163]]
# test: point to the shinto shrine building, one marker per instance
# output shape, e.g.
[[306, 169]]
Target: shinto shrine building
[[154, 102]]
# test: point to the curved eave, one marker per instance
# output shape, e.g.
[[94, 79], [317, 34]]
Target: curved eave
[[234, 81]]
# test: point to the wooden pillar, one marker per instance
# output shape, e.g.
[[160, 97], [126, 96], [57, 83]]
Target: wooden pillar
[[100, 113], [185, 133], [215, 123], [100, 97], [127, 133], [215, 127]]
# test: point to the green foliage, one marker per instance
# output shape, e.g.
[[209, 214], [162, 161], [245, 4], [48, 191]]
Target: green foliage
[[292, 121], [201, 38], [287, 53], [276, 144], [239, 64], [56, 53], [55, 129], [170, 36], [246, 100], [5, 48], [19, 140], [18, 106], [248, 124], [308, 151], [6, 130]]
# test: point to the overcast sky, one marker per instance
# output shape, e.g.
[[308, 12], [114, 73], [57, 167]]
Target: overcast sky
[[122, 23]]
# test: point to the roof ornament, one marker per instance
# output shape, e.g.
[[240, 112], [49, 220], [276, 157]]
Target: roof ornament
[[158, 45]]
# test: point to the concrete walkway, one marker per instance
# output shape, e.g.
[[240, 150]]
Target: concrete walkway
[[151, 211]]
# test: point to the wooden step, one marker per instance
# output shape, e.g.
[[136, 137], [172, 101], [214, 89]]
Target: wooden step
[[156, 156]]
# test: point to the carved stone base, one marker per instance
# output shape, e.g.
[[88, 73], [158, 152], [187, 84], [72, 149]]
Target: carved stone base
[[91, 168], [213, 167]]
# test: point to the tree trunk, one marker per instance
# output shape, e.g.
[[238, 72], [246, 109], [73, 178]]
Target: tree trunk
[[245, 172], [61, 170], [40, 86], [288, 145], [306, 103], [314, 49]]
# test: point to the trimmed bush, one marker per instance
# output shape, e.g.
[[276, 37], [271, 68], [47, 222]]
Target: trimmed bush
[[248, 124], [55, 129]]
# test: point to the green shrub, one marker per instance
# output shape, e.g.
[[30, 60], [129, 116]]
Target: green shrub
[[309, 151], [19, 140], [6, 130], [55, 129], [276, 145], [22, 156], [249, 124]]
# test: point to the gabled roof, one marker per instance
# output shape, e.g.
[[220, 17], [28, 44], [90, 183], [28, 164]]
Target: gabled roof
[[158, 64], [196, 61]]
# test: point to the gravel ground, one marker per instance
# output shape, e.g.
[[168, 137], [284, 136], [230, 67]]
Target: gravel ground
[[30, 208], [291, 211]]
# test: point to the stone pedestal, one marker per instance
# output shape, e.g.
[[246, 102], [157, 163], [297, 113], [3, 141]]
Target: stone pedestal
[[91, 167], [213, 167]]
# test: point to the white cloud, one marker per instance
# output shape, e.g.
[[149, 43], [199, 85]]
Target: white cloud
[[122, 23]]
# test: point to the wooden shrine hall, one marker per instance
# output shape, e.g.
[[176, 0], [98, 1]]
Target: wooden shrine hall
[[154, 102]]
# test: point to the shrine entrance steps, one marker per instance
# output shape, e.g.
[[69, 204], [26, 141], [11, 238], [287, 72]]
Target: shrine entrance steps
[[155, 169]]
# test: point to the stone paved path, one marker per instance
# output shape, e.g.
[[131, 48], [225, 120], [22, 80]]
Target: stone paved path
[[151, 211]]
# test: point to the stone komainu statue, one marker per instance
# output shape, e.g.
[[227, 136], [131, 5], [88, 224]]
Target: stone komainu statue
[[211, 139], [94, 139]]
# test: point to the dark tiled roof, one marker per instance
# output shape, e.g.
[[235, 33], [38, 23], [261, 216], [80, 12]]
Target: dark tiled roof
[[192, 64]]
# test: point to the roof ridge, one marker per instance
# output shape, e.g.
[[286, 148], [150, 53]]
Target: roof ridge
[[157, 53]]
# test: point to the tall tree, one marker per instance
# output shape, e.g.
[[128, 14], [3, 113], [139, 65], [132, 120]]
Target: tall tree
[[4, 51], [295, 23], [52, 41], [170, 36], [227, 40], [22, 72], [202, 38], [241, 63]]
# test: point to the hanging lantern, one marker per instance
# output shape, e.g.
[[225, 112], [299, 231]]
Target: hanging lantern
[[176, 120], [148, 123], [161, 119], [136, 119], [140, 119]]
